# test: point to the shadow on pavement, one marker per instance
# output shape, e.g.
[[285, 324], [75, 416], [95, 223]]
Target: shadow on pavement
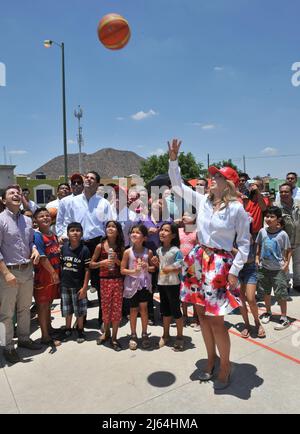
[[243, 379], [161, 379]]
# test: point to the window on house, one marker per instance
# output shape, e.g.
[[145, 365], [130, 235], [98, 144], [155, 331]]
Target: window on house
[[43, 196]]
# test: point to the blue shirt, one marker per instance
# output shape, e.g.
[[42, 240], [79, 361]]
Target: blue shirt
[[16, 238]]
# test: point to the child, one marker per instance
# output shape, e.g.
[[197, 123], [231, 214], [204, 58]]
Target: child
[[188, 240], [273, 257], [47, 272], [111, 280], [136, 267], [170, 263], [248, 281], [75, 257]]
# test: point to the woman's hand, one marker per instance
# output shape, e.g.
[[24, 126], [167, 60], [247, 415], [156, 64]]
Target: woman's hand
[[174, 149], [233, 281]]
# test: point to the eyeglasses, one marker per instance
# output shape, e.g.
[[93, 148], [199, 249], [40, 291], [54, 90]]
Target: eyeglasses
[[291, 178], [77, 182]]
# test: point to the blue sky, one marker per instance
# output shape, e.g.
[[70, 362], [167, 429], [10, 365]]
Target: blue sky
[[215, 73]]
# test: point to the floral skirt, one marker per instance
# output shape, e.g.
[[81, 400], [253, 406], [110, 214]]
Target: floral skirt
[[205, 281]]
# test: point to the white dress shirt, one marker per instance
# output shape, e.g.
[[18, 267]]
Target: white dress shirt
[[60, 225], [218, 229], [92, 214]]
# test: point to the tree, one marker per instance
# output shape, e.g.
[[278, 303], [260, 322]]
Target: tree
[[228, 163], [159, 164]]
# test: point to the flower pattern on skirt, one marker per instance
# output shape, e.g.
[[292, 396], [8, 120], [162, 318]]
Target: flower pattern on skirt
[[205, 281]]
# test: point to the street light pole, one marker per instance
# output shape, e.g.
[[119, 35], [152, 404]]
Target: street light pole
[[48, 43]]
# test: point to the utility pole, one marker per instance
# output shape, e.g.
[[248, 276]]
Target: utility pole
[[78, 114], [244, 163], [207, 160], [4, 154]]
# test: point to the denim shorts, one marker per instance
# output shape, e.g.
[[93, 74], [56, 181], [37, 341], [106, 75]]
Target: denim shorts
[[248, 274]]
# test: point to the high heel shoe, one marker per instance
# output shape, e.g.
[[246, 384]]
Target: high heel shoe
[[220, 385], [206, 376]]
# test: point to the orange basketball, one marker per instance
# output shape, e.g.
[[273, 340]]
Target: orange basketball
[[113, 31]]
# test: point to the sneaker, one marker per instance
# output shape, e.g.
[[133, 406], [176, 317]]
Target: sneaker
[[30, 345], [265, 317], [11, 355], [133, 342], [81, 337], [65, 334], [93, 289], [283, 324], [197, 328]]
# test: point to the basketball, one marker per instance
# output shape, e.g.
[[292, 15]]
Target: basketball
[[53, 213], [113, 31]]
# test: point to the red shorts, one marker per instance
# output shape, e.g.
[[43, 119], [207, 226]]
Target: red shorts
[[46, 294]]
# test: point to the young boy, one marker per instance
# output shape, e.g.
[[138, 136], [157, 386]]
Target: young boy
[[47, 273], [75, 257], [273, 257]]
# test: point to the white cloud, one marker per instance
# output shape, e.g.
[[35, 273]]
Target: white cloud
[[158, 152], [268, 151], [203, 126], [143, 115], [218, 68], [71, 142], [195, 124], [17, 152], [208, 127]]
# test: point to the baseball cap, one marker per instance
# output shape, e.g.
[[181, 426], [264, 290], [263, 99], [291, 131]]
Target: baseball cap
[[228, 172], [76, 176]]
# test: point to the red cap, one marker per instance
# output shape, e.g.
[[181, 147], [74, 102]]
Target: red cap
[[76, 176], [228, 172]]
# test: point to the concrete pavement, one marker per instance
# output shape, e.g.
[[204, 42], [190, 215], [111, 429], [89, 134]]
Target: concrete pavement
[[86, 378]]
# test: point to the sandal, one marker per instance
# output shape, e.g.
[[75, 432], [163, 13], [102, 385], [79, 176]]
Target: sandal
[[261, 332], [133, 342], [145, 341], [245, 333], [51, 342], [163, 341], [116, 345], [103, 338], [179, 344]]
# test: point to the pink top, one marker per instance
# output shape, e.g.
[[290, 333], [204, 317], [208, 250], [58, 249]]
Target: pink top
[[188, 241]]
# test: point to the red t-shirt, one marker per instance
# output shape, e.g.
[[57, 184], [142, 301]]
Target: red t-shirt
[[256, 213]]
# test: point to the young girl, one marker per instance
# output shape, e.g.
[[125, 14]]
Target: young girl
[[47, 273], [170, 261], [107, 256], [136, 267], [188, 240]]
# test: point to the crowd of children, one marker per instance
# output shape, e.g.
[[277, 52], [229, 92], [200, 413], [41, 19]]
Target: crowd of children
[[64, 272]]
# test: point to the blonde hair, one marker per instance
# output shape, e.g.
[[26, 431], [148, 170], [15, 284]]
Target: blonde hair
[[229, 194]]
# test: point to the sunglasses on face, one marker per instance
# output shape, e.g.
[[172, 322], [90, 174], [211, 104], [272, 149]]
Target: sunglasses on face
[[76, 182]]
